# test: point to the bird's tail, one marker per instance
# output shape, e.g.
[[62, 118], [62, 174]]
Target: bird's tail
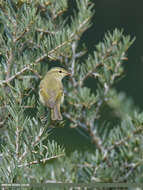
[[55, 113]]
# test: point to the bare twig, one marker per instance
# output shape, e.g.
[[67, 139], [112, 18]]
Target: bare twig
[[37, 140], [21, 35], [116, 74], [40, 59], [2, 123], [132, 167], [79, 30], [9, 62], [27, 107], [27, 68], [35, 72], [23, 155], [59, 13], [59, 46], [70, 39], [93, 72], [38, 137], [13, 21], [45, 31], [14, 76], [41, 161], [126, 139], [95, 139], [74, 46], [17, 141]]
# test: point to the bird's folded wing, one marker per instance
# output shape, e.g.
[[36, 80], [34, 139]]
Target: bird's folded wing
[[54, 97]]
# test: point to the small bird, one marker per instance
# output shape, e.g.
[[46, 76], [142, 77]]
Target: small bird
[[51, 91]]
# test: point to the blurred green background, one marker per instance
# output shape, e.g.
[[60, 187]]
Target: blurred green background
[[126, 15]]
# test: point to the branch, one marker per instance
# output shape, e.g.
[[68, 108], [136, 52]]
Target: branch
[[43, 56], [37, 140], [96, 140], [132, 166], [40, 161], [21, 35], [40, 59], [105, 58], [2, 123], [71, 38], [116, 74], [80, 30], [23, 155], [9, 64], [74, 46], [17, 141], [125, 140], [14, 76], [38, 137], [19, 73], [45, 31], [59, 13]]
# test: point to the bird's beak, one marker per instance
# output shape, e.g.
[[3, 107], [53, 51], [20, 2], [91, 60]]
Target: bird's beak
[[68, 74]]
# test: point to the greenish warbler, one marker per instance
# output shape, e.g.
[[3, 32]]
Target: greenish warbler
[[51, 91]]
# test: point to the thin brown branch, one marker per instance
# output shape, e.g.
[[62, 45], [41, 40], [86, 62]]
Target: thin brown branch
[[40, 59], [96, 140], [74, 46], [70, 39], [2, 123], [59, 13], [80, 27], [13, 21], [21, 35], [41, 161], [9, 62], [14, 76], [17, 141], [2, 82], [36, 73], [132, 167], [93, 72], [138, 131], [37, 140], [45, 31], [27, 107], [126, 139], [38, 137], [59, 46], [116, 74], [23, 155]]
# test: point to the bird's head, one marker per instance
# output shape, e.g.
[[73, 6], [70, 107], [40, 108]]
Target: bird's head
[[58, 72]]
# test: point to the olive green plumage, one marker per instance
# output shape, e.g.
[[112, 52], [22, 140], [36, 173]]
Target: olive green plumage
[[51, 91]]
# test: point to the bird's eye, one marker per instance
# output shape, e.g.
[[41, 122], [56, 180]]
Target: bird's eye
[[60, 71]]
